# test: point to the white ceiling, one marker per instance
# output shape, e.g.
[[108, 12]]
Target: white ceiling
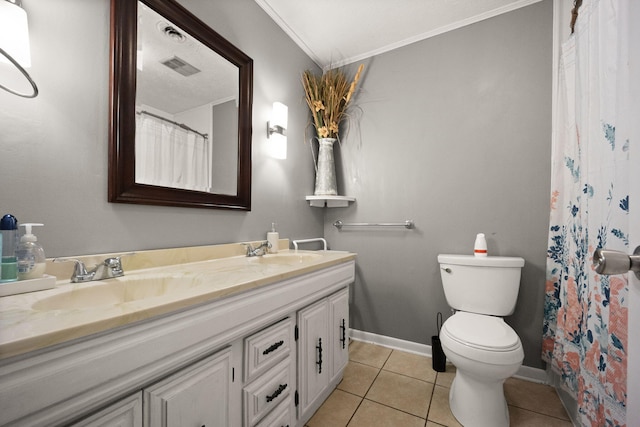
[[338, 32]]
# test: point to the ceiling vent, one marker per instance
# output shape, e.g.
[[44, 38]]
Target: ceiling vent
[[180, 66]]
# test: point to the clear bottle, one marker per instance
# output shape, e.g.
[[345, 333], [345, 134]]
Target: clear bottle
[[30, 255], [9, 230], [273, 237]]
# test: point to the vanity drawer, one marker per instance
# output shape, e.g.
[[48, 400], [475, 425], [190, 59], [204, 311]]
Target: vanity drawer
[[267, 392], [282, 416], [264, 349]]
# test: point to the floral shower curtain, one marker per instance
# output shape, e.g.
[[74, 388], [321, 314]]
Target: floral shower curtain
[[170, 156], [585, 322]]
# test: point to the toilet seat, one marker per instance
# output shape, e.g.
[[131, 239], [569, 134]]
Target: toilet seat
[[480, 337]]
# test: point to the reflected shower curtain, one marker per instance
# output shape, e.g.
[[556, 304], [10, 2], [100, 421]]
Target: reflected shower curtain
[[170, 156], [585, 322]]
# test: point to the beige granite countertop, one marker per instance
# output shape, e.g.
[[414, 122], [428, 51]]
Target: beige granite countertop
[[155, 283]]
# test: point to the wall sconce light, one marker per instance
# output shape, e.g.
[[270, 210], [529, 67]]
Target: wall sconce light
[[14, 41], [277, 131]]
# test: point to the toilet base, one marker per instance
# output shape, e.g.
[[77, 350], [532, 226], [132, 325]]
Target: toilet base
[[478, 403]]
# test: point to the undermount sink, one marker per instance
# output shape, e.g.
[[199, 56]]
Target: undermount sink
[[116, 291], [132, 288]]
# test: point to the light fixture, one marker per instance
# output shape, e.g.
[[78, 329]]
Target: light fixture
[[277, 131], [14, 41]]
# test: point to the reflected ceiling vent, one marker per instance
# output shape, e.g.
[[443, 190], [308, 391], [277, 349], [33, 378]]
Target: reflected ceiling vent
[[180, 66]]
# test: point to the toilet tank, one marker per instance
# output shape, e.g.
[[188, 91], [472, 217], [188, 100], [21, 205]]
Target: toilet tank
[[483, 285]]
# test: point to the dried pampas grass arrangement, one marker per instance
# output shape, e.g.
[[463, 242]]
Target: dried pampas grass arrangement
[[328, 97]]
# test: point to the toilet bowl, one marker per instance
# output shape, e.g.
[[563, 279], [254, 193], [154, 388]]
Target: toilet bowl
[[485, 351]]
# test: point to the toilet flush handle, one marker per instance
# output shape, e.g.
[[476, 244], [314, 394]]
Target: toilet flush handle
[[446, 269]]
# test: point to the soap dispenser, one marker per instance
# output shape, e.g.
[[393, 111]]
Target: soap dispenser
[[273, 237], [30, 255]]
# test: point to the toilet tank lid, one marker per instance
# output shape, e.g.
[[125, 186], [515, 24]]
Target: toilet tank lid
[[488, 261]]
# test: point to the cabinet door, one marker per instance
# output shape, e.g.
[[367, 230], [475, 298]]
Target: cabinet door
[[339, 334], [195, 396], [313, 343], [124, 413]]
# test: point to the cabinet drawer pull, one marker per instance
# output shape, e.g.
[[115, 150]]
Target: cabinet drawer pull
[[319, 362], [273, 347], [277, 392], [344, 334]]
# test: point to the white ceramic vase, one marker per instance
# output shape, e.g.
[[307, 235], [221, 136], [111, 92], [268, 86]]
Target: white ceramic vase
[[326, 169]]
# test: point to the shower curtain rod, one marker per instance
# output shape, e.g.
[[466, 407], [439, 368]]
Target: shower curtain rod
[[182, 125]]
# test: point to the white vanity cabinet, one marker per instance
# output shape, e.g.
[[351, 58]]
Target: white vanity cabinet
[[232, 361], [196, 396], [323, 350], [126, 412], [200, 395]]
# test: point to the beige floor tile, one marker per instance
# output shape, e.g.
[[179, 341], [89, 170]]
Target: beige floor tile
[[439, 411], [412, 365], [368, 354], [358, 378], [372, 414], [534, 397], [446, 378], [401, 392], [432, 424], [523, 418], [336, 411]]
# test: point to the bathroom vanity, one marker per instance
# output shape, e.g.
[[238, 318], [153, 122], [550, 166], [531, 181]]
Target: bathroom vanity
[[216, 339]]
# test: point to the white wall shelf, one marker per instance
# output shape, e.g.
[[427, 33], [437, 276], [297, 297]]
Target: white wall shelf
[[330, 201]]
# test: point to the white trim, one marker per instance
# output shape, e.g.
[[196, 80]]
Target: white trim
[[535, 375], [389, 342], [444, 29], [436, 32], [288, 30], [527, 373]]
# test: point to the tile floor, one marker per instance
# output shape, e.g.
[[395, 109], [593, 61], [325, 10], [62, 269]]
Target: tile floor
[[385, 387]]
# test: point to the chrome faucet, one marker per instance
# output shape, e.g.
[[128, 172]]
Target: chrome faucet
[[107, 269], [258, 251]]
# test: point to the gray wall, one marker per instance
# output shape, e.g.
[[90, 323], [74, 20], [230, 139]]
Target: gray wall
[[455, 133], [53, 149]]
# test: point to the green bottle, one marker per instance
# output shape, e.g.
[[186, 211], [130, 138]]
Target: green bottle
[[9, 264]]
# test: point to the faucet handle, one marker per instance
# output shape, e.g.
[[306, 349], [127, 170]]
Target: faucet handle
[[80, 273], [115, 263]]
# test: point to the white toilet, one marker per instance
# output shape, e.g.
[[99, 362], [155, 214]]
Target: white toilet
[[484, 349]]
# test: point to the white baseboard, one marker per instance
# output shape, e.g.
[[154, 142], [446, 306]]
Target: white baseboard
[[527, 373]]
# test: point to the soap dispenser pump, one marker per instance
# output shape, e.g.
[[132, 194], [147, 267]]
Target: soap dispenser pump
[[30, 255], [273, 237]]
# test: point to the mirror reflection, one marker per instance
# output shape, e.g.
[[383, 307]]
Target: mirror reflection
[[186, 131]]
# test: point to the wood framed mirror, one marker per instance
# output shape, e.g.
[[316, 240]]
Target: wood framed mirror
[[159, 86]]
